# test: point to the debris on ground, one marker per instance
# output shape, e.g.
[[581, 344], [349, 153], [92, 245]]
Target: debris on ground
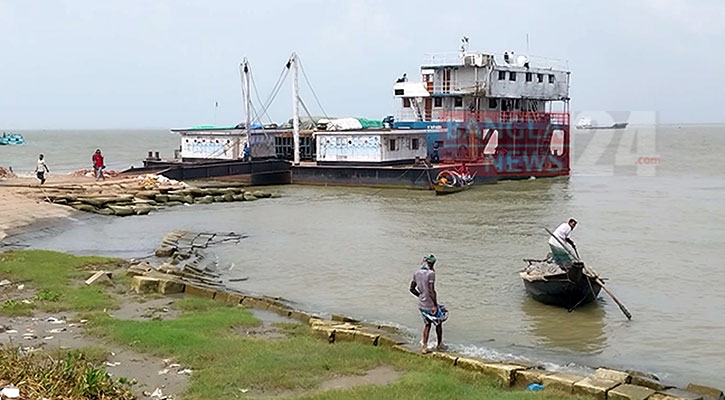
[[6, 173], [87, 172]]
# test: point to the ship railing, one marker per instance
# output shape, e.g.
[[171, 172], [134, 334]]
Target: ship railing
[[539, 117], [433, 59]]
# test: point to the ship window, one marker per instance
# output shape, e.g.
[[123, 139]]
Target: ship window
[[399, 92], [540, 78], [406, 102], [438, 101], [391, 144], [551, 78], [529, 77], [512, 76], [501, 75], [458, 101], [492, 104], [414, 144]]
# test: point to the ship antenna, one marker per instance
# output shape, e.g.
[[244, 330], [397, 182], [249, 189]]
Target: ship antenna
[[464, 44]]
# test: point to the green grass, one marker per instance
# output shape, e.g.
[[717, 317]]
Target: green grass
[[226, 364], [57, 278], [203, 339]]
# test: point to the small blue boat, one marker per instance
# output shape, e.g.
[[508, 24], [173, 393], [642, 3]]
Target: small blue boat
[[11, 139]]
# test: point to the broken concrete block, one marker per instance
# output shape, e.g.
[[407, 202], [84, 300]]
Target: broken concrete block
[[710, 393], [595, 387], [249, 196], [164, 251], [630, 392], [612, 375], [506, 373], [204, 200], [144, 284], [525, 377], [347, 335], [561, 381], [168, 286]]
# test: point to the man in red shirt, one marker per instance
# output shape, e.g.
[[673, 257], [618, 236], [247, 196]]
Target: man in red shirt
[[98, 164]]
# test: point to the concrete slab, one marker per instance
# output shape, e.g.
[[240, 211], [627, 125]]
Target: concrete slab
[[167, 286], [595, 387], [709, 393], [366, 338], [649, 383], [506, 373], [681, 394], [630, 392], [199, 292], [612, 375], [253, 302], [449, 358], [561, 381], [525, 377], [144, 284]]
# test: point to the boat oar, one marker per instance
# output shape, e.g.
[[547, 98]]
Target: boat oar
[[596, 278]]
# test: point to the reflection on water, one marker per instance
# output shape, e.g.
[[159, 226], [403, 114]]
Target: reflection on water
[[581, 330]]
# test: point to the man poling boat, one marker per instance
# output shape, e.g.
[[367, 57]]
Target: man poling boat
[[564, 283]]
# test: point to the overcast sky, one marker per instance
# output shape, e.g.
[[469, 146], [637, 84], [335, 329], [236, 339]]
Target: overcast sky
[[134, 64]]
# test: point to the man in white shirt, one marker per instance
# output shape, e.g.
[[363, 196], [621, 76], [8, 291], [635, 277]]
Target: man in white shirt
[[41, 168], [562, 232]]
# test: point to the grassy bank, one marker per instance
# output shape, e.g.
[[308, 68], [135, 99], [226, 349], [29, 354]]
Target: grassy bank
[[209, 338]]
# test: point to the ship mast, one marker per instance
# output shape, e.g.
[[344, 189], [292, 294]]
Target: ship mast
[[295, 109], [247, 106]]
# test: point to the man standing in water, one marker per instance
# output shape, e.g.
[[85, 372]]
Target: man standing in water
[[41, 169], [562, 232], [98, 164], [423, 287]]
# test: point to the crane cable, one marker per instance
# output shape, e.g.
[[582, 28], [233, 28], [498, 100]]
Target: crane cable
[[304, 74]]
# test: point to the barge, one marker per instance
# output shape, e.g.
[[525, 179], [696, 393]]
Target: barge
[[503, 116]]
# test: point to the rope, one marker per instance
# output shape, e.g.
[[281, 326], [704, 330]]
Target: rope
[[256, 93], [304, 74]]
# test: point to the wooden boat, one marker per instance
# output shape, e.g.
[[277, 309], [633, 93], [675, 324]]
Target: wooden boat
[[448, 182], [548, 283]]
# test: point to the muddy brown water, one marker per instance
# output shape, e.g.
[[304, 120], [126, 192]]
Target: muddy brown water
[[659, 240]]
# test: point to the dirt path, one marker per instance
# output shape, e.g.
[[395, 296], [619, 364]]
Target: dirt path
[[65, 331]]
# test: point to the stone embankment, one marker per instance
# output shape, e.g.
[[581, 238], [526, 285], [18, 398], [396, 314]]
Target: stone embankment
[[187, 272], [144, 195]]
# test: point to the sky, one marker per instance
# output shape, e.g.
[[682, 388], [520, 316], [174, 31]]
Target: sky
[[85, 64]]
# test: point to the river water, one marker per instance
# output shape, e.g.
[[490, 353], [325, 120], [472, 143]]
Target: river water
[[656, 232]]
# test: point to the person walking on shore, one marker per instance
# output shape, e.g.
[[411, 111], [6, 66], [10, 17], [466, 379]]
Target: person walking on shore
[[423, 287], [98, 164], [41, 168], [562, 232]]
